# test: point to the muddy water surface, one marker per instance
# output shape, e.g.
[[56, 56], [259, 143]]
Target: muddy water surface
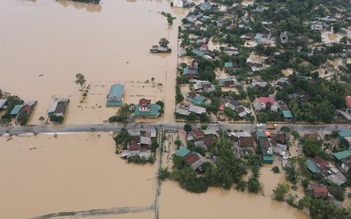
[[44, 43], [47, 174]]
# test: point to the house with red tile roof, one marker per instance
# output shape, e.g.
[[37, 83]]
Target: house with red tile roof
[[195, 160], [318, 191], [198, 134]]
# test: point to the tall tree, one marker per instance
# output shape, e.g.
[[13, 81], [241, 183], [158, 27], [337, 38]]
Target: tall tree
[[80, 79], [163, 42]]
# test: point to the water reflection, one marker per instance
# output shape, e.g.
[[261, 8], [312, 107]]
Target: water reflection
[[94, 6]]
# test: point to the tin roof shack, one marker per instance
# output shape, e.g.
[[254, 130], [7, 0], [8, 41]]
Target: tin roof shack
[[3, 104], [58, 109], [115, 96]]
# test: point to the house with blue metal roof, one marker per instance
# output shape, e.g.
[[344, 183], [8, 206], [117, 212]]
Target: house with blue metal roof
[[115, 96]]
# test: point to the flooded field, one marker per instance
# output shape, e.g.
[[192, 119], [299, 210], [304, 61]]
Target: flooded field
[[48, 42], [71, 172], [216, 203]]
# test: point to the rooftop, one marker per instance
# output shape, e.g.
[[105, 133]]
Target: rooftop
[[342, 155], [182, 152], [116, 92], [15, 110], [153, 112]]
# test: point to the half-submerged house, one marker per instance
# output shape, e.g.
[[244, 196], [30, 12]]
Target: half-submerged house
[[115, 96], [58, 107], [145, 109]]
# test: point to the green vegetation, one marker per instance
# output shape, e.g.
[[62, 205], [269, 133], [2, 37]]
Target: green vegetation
[[163, 42], [122, 138], [280, 191], [275, 169], [80, 80], [140, 160], [170, 18], [56, 119], [12, 101], [122, 115], [229, 169], [22, 118]]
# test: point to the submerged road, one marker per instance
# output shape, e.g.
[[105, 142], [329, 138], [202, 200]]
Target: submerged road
[[139, 126]]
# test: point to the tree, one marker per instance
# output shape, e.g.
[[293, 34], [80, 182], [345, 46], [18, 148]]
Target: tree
[[163, 42], [253, 185], [80, 80], [160, 103], [154, 146], [187, 128], [41, 119], [22, 118], [122, 114], [311, 147], [280, 191], [191, 117], [204, 117], [178, 143], [123, 137], [56, 119]]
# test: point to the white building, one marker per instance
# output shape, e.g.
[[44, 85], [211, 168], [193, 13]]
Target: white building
[[181, 3]]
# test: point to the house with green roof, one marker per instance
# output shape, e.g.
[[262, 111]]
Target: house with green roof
[[266, 149], [14, 112], [191, 71], [146, 110], [261, 134], [343, 159], [285, 111], [287, 115], [312, 167], [344, 133], [182, 152], [115, 96], [198, 100]]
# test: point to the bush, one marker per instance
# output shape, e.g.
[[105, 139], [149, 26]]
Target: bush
[[56, 119], [275, 169], [163, 174]]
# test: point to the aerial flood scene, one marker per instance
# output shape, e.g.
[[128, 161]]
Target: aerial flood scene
[[175, 109]]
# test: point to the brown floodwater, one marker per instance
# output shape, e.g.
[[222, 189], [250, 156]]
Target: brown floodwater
[[44, 43], [70, 172]]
